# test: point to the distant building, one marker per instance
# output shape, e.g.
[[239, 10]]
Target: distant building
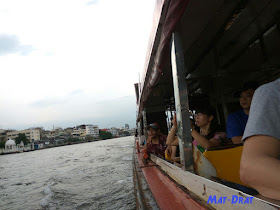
[[126, 127], [49, 134], [114, 132], [31, 134], [83, 130], [2, 134], [41, 130], [132, 131], [10, 144], [68, 130], [92, 130]]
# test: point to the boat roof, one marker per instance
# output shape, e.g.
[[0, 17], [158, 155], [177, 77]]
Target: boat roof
[[225, 43]]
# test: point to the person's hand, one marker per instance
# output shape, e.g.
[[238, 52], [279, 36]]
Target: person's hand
[[145, 154], [176, 159], [149, 139], [192, 125], [174, 121], [169, 150]]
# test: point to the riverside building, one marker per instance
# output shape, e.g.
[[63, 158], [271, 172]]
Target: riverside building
[[83, 130], [31, 134]]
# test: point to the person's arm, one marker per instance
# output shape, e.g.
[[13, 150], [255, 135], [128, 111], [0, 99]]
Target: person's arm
[[145, 146], [169, 150], [205, 143], [175, 142], [172, 133], [260, 165], [147, 141], [236, 140], [145, 154], [173, 154], [234, 131]]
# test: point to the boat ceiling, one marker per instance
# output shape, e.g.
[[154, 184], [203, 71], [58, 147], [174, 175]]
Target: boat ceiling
[[229, 42], [225, 43]]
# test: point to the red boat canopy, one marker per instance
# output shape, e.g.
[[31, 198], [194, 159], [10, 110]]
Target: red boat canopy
[[166, 16]]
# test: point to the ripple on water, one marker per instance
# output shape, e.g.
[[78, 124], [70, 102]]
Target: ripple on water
[[127, 158], [47, 192], [96, 175]]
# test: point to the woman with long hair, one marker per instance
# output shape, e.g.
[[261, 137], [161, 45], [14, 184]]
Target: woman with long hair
[[207, 135]]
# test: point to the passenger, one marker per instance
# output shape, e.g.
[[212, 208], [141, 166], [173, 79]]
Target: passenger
[[209, 134], [172, 153], [262, 142], [175, 155], [156, 142], [236, 121], [173, 142], [172, 139]]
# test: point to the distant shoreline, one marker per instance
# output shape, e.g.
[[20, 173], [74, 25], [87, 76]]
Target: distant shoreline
[[59, 145]]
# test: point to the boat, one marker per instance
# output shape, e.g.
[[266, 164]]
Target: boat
[[202, 51]]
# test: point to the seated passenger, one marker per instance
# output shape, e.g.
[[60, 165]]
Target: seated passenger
[[173, 142], [209, 134], [172, 139], [236, 121], [156, 142], [175, 155], [262, 142]]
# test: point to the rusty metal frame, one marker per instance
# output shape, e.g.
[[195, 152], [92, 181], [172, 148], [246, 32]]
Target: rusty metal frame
[[181, 102], [144, 114]]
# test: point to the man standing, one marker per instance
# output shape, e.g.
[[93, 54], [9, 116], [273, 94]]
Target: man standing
[[236, 121], [260, 161]]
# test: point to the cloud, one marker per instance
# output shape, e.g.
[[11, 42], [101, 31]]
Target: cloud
[[49, 54], [93, 2], [76, 92], [10, 44], [75, 64], [48, 102], [106, 114], [58, 100]]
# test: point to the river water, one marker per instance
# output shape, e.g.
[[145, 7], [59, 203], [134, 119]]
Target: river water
[[95, 175]]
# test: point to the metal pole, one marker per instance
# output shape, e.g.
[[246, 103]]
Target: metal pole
[[145, 122], [167, 120], [139, 132], [225, 110], [181, 102]]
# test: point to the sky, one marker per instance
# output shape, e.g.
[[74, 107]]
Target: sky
[[69, 62]]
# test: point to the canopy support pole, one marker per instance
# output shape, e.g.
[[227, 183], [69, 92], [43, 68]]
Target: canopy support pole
[[181, 103], [145, 122]]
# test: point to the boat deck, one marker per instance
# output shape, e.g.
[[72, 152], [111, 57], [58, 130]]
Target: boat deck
[[166, 192], [162, 185]]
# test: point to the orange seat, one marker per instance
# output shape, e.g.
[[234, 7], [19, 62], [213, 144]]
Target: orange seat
[[226, 163]]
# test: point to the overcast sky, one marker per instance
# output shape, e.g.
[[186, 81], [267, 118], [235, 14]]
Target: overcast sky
[[71, 62]]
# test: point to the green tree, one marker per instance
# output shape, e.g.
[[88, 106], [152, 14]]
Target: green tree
[[126, 133], [21, 137], [73, 139], [2, 144], [105, 135], [89, 138]]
